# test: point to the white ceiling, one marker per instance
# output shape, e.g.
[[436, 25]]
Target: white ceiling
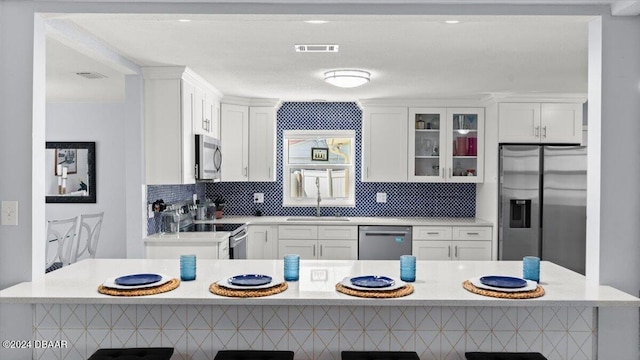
[[408, 56]]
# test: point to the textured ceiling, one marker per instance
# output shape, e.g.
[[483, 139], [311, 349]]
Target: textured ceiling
[[408, 56]]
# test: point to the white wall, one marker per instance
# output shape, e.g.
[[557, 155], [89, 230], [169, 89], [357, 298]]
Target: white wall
[[103, 123]]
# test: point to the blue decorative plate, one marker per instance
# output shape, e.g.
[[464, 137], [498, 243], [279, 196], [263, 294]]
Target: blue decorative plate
[[249, 280], [503, 281], [372, 281], [138, 279]]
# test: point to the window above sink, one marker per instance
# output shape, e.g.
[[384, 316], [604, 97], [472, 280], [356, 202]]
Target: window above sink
[[318, 161]]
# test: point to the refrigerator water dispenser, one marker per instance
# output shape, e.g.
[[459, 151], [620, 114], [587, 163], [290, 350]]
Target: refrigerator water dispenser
[[520, 214]]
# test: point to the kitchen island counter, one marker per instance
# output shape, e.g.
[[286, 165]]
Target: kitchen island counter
[[440, 320], [439, 283]]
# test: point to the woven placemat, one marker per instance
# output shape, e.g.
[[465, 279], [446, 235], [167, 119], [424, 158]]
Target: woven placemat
[[379, 294], [221, 290], [170, 285], [539, 291]]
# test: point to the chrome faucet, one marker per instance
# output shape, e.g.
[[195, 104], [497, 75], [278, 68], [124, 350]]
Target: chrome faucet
[[319, 198]]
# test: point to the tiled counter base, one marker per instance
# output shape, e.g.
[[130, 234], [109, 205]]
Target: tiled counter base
[[316, 332]]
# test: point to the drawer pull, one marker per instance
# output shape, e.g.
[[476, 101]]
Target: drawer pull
[[456, 252], [433, 233], [473, 233], [449, 253]]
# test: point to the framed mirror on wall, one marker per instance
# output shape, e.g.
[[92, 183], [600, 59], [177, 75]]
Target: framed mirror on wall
[[70, 173]]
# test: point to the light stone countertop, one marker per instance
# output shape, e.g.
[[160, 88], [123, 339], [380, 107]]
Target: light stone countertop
[[332, 220], [439, 283], [207, 237]]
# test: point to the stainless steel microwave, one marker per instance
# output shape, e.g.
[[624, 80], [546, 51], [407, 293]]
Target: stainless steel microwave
[[208, 158]]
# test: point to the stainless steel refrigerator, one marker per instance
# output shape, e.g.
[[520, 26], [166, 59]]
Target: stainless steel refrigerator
[[542, 204]]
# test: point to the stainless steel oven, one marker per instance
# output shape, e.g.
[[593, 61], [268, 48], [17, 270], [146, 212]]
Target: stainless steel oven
[[238, 243]]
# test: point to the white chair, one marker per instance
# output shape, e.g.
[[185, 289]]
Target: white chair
[[60, 239], [88, 234]]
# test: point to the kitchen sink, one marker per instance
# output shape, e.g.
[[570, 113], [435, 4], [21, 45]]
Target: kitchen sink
[[317, 218]]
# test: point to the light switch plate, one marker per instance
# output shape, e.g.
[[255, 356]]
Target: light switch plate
[[381, 197], [319, 275], [9, 213], [258, 198]]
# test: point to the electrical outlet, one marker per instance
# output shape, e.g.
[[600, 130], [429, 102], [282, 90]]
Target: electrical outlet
[[319, 275], [381, 197], [258, 198], [9, 213]]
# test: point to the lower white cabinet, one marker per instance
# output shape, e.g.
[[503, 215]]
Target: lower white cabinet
[[261, 242], [452, 243], [324, 242]]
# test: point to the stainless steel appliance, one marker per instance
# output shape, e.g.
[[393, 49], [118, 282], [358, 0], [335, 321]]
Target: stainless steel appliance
[[208, 158], [384, 242], [238, 243], [542, 206]]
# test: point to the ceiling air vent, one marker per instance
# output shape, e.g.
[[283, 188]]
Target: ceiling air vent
[[91, 75], [317, 48]]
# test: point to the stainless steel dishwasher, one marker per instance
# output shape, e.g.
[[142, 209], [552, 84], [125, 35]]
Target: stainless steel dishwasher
[[384, 242]]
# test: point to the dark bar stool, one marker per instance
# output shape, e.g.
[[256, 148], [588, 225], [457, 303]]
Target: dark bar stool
[[379, 355], [253, 355], [161, 353], [504, 356]]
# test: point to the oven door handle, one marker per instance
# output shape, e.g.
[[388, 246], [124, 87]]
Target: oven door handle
[[237, 240]]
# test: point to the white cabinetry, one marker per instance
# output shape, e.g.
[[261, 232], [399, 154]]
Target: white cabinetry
[[261, 241], [540, 123], [446, 145], [170, 110], [384, 139], [206, 118], [201, 247], [248, 142], [324, 242], [452, 243]]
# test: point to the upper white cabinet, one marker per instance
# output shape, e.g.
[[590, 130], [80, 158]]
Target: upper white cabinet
[[170, 111], [384, 149], [247, 136], [206, 118], [234, 141], [446, 145], [540, 123]]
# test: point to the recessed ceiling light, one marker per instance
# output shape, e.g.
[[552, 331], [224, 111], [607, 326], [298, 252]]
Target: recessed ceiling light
[[452, 21], [347, 78], [316, 21], [184, 20]]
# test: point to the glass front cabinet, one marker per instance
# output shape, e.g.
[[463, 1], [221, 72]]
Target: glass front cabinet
[[446, 145]]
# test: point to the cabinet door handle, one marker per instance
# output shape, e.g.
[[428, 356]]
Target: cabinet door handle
[[432, 233], [320, 250], [537, 131], [367, 172], [442, 172], [314, 250], [449, 252], [269, 172], [544, 131], [456, 251], [244, 171], [473, 233], [450, 172]]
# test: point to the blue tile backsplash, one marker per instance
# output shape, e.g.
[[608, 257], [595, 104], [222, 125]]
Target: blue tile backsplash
[[403, 199]]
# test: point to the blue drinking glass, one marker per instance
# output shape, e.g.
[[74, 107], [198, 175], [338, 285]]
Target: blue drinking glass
[[531, 268], [408, 268], [291, 267], [187, 267]]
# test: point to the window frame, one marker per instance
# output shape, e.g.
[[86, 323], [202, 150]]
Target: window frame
[[287, 200]]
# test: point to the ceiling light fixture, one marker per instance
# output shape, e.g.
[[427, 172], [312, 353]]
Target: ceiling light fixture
[[316, 22], [347, 78], [184, 20], [452, 21]]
